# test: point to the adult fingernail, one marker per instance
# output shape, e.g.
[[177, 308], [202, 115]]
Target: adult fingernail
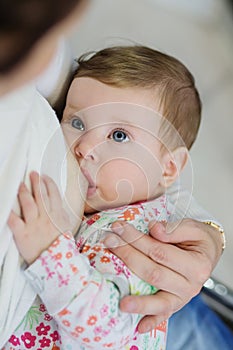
[[157, 226], [130, 306], [117, 227], [111, 242], [145, 328]]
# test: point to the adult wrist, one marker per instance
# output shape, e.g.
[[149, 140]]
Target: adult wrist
[[219, 230]]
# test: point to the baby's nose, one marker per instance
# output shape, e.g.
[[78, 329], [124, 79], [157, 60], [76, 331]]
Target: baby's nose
[[85, 149]]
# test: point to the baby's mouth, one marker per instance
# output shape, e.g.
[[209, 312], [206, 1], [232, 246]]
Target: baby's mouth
[[91, 184]]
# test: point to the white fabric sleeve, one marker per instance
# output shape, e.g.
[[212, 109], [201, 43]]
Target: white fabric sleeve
[[186, 205], [31, 139]]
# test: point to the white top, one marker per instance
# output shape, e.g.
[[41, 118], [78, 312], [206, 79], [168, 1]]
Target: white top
[[30, 139]]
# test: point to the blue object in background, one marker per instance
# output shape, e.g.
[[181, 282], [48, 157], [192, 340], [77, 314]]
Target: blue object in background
[[197, 327]]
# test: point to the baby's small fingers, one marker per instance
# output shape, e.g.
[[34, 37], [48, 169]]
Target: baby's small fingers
[[27, 204], [40, 193], [53, 193], [15, 223]]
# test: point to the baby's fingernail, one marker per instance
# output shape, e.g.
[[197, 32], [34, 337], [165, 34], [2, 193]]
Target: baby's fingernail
[[34, 173], [118, 228], [111, 242], [22, 186]]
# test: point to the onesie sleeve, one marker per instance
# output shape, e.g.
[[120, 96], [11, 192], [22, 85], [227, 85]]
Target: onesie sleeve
[[184, 205], [83, 301]]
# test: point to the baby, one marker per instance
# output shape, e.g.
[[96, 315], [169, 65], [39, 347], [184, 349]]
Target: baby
[[131, 114]]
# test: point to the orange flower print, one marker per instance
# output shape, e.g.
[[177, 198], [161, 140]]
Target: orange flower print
[[64, 312], [74, 268], [129, 214], [96, 248], [91, 256], [92, 320], [86, 340], [85, 248], [74, 334], [55, 243], [162, 326], [69, 255], [93, 219], [97, 339], [79, 329], [68, 235], [58, 256], [108, 345], [85, 283], [66, 323], [55, 347], [104, 259], [106, 251]]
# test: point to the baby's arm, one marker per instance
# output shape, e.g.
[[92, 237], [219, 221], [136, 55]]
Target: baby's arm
[[83, 301]]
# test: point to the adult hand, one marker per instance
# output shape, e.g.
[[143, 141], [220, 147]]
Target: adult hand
[[177, 264]]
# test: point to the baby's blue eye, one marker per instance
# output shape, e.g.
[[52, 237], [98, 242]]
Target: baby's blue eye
[[120, 136], [77, 124]]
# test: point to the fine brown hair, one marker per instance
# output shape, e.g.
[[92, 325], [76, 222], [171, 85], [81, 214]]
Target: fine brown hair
[[24, 22], [142, 67]]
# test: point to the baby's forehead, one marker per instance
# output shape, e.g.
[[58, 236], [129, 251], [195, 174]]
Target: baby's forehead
[[118, 113]]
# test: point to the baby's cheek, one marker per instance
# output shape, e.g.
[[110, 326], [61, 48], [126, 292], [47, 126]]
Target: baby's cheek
[[121, 181]]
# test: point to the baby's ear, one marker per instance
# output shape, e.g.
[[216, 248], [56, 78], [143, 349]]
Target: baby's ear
[[173, 164]]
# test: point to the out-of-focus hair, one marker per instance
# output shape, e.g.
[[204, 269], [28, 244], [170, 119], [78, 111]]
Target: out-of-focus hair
[[24, 22]]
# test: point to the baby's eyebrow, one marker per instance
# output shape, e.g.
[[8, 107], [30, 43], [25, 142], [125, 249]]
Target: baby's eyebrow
[[123, 123], [71, 112], [67, 118]]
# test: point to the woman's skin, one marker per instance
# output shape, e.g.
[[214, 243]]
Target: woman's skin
[[178, 263]]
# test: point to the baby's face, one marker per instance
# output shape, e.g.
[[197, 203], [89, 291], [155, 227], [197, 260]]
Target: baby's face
[[113, 134]]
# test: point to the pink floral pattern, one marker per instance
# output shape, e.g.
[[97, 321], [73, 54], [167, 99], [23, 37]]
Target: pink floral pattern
[[89, 315], [43, 331], [29, 340]]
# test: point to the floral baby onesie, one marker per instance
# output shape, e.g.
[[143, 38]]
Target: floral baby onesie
[[81, 284]]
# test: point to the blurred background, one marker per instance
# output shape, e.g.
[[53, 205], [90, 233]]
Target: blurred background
[[199, 33]]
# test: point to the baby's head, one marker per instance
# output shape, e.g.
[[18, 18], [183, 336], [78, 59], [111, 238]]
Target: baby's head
[[127, 151]]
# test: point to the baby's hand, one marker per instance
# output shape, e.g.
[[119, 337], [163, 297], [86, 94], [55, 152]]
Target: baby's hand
[[43, 217]]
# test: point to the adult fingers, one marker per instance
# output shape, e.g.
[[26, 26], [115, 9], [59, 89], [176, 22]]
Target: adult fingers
[[148, 323], [157, 308], [199, 248], [156, 274], [204, 238], [154, 251], [162, 304], [176, 232]]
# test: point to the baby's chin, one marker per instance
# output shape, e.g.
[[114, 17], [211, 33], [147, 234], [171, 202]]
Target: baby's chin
[[88, 209], [91, 209]]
